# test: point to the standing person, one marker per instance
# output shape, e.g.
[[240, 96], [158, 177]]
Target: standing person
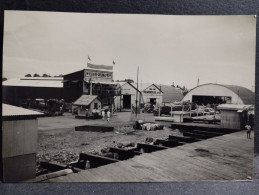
[[103, 114], [108, 115], [94, 113], [248, 131], [86, 114]]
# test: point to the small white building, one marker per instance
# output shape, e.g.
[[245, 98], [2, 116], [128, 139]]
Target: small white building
[[88, 102], [147, 93]]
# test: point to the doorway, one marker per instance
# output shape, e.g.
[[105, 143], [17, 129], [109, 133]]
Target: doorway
[[127, 101], [153, 100]]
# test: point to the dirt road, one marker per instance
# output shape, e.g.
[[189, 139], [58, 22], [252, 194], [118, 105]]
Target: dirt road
[[58, 141]]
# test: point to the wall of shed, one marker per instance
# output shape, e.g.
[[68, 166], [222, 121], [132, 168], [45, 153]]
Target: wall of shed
[[230, 119], [19, 146], [19, 137], [82, 109]]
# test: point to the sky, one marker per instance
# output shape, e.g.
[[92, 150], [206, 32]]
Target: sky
[[167, 49]]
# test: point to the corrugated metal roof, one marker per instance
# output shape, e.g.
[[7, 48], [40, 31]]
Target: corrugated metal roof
[[9, 111], [246, 95], [85, 100], [233, 107], [33, 83], [171, 94]]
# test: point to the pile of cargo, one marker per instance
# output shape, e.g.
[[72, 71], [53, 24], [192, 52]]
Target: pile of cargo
[[149, 126]]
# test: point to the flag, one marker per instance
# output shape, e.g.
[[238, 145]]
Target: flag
[[113, 62], [89, 58]]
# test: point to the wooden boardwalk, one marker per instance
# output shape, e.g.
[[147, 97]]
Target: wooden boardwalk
[[228, 157]]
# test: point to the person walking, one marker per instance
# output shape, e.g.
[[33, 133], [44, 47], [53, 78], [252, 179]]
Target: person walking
[[248, 131], [103, 114], [108, 115]]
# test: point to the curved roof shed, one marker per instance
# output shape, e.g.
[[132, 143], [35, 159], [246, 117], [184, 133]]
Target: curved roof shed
[[238, 94]]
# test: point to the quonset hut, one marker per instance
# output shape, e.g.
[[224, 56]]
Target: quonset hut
[[212, 93]]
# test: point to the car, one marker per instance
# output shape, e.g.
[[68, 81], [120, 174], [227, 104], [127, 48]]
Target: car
[[210, 111]]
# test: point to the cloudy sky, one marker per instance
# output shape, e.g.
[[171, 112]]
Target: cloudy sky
[[179, 49]]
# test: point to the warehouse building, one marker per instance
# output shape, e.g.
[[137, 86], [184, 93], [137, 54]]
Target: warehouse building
[[212, 93], [16, 91]]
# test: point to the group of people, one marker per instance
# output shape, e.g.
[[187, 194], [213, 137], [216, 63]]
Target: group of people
[[95, 114]]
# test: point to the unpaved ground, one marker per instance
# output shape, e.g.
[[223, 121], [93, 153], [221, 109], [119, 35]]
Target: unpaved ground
[[58, 141]]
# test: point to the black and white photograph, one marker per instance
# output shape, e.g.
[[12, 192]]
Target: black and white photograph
[[91, 97]]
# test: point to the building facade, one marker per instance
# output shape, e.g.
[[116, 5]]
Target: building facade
[[94, 80]]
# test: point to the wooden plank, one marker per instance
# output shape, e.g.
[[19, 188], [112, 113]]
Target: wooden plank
[[183, 163]]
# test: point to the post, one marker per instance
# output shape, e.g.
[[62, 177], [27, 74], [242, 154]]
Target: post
[[91, 87], [137, 95]]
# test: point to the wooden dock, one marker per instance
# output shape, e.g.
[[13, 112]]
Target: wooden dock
[[227, 157]]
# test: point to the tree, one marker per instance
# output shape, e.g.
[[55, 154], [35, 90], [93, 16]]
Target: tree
[[129, 80], [28, 75], [45, 75], [4, 79], [36, 75]]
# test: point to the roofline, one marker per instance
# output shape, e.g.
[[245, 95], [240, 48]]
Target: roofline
[[133, 87], [73, 73], [32, 86], [222, 85], [97, 97], [157, 87]]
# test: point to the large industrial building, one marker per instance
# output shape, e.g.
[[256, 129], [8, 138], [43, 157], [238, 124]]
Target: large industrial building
[[212, 93], [16, 91]]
